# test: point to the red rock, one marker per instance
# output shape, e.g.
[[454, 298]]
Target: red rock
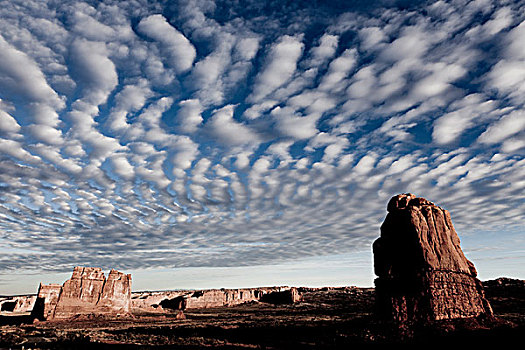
[[422, 272], [87, 292], [46, 301], [116, 293]]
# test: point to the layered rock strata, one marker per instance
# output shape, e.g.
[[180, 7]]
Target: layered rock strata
[[86, 292], [198, 299], [423, 275], [17, 304], [46, 301]]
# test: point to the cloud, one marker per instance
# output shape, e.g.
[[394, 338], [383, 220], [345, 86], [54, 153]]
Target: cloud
[[324, 51], [179, 49], [338, 70], [21, 77], [130, 99], [449, 127], [93, 70], [371, 38], [189, 115], [510, 124], [121, 167], [203, 137], [8, 124], [508, 74], [46, 134], [227, 130], [281, 63]]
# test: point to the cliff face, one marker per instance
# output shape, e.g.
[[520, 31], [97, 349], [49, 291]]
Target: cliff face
[[86, 292], [422, 272], [201, 299]]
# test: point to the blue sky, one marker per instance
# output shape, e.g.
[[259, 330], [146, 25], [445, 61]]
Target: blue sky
[[204, 144]]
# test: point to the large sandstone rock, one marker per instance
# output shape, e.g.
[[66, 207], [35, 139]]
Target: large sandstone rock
[[116, 292], [86, 292], [423, 275]]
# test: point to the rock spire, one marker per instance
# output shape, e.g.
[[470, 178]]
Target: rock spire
[[423, 275]]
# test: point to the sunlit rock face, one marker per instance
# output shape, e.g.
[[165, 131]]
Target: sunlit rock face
[[86, 292], [46, 301], [423, 275]]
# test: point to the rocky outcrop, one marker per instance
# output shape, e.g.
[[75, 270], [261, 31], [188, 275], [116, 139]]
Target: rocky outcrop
[[86, 292], [289, 296], [423, 275], [199, 299], [46, 301], [17, 304], [116, 293]]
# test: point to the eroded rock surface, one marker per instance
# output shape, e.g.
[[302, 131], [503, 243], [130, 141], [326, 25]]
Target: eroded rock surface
[[46, 301], [423, 275], [211, 298], [86, 292]]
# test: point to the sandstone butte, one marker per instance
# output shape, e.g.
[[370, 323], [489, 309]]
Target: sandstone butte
[[86, 292], [423, 275]]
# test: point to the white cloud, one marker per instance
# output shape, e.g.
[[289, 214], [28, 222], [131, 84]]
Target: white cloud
[[180, 51], [90, 28], [47, 134], [130, 99], [20, 76], [502, 19], [8, 124], [293, 125], [189, 115], [339, 70], [449, 127], [280, 65], [185, 152], [371, 37], [508, 75], [121, 166], [413, 43], [324, 51], [505, 127], [365, 164], [93, 70], [227, 130], [246, 48]]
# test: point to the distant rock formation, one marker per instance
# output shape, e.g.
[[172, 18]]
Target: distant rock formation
[[17, 304], [289, 296], [423, 276], [200, 299], [86, 292]]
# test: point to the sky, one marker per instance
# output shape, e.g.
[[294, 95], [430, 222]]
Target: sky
[[208, 144]]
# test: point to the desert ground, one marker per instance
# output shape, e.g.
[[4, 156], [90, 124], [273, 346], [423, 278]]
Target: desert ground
[[324, 318]]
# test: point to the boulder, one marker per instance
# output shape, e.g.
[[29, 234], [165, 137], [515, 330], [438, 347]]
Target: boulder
[[423, 275]]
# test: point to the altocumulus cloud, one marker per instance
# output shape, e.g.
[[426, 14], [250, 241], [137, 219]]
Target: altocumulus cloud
[[141, 134]]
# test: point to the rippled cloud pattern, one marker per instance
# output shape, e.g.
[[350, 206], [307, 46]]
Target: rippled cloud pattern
[[140, 134]]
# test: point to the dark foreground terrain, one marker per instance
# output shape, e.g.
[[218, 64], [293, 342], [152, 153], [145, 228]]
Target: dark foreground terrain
[[325, 318]]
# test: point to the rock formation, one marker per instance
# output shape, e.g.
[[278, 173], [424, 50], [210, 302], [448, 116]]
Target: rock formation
[[46, 301], [199, 299], [423, 276], [289, 296], [86, 292], [17, 304]]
